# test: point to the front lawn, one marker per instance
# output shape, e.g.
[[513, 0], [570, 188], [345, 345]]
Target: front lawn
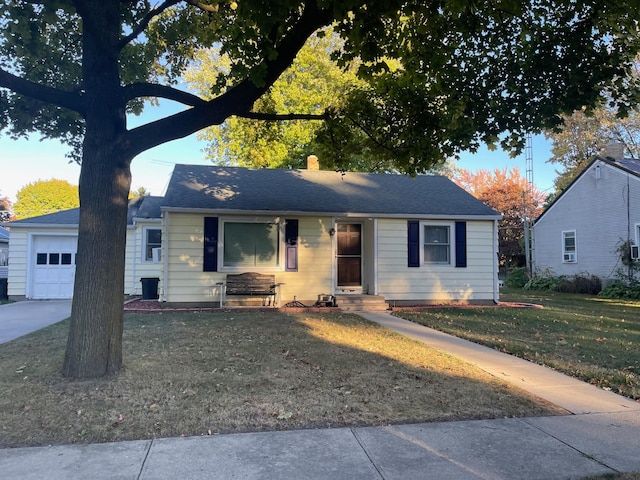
[[591, 338], [207, 373]]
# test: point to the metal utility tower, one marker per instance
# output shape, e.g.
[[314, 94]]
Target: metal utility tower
[[527, 195]]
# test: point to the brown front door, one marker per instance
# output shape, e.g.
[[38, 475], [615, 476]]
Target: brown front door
[[349, 253]]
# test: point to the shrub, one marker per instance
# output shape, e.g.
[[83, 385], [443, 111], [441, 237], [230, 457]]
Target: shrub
[[620, 290], [516, 278], [543, 283], [589, 284]]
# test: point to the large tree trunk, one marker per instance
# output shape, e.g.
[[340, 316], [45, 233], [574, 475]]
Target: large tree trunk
[[94, 347]]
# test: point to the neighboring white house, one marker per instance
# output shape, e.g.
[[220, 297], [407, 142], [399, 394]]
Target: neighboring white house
[[583, 229], [43, 251], [410, 240], [4, 252]]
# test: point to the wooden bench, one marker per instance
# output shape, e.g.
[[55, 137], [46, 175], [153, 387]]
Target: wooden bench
[[250, 285]]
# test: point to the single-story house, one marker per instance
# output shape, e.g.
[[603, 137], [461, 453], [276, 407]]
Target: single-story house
[[398, 239], [43, 251], [410, 240], [4, 252], [583, 230]]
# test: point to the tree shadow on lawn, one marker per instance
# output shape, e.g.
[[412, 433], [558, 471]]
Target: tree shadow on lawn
[[200, 374]]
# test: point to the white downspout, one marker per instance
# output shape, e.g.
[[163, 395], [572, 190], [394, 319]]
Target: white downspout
[[135, 258], [165, 254], [375, 256]]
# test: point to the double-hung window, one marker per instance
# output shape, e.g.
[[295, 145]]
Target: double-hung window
[[569, 254], [152, 241], [253, 244], [437, 243]]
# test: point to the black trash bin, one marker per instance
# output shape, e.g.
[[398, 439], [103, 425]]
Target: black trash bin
[[3, 289], [150, 288]]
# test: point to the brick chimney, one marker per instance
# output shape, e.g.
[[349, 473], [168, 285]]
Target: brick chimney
[[312, 163]]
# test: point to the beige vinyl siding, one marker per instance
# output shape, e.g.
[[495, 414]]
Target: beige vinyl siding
[[17, 280], [136, 267], [435, 283], [19, 265], [129, 271], [186, 282]]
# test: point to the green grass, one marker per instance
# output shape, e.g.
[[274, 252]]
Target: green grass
[[594, 339], [201, 374]]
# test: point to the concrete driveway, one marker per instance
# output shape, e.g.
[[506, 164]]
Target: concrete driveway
[[19, 318]]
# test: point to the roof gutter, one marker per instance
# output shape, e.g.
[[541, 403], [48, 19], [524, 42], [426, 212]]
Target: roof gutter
[[222, 211]]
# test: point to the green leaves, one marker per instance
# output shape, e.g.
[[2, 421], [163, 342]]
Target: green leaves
[[436, 78], [45, 196]]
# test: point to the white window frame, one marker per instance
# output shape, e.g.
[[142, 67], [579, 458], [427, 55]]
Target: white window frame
[[565, 253], [244, 269], [451, 227], [145, 243]]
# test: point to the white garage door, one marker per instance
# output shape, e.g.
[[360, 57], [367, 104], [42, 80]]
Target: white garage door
[[54, 266]]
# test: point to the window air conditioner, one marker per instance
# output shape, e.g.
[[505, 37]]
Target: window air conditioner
[[156, 254], [635, 252], [569, 257]]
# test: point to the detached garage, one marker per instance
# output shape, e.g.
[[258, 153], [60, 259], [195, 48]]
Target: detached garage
[[43, 256]]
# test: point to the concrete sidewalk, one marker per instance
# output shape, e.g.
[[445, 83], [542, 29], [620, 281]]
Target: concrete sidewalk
[[602, 437], [19, 318], [526, 449]]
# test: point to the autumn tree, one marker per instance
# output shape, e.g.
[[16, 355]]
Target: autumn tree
[[45, 196], [440, 77], [5, 209], [583, 135], [508, 193], [139, 192]]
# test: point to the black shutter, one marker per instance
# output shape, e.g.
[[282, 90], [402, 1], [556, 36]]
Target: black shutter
[[291, 245], [413, 246], [210, 263], [461, 244]]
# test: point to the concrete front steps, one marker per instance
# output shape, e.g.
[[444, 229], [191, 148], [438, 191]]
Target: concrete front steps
[[360, 303]]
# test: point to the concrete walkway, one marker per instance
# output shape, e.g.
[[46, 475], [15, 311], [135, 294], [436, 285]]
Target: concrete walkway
[[602, 437], [19, 318], [573, 395]]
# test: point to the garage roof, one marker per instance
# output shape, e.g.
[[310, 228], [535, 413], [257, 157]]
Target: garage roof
[[141, 207]]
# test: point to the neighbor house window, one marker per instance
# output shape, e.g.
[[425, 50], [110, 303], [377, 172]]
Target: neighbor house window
[[251, 244], [437, 244], [152, 240], [569, 247]]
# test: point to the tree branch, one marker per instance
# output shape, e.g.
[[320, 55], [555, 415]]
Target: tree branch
[[276, 117], [136, 90], [203, 6], [144, 23], [61, 98], [239, 99]]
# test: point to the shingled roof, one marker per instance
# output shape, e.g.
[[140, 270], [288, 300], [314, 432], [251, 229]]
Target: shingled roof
[[235, 189], [143, 207]]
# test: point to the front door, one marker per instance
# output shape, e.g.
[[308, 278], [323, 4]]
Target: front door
[[349, 254]]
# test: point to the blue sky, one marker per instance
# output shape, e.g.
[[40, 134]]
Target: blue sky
[[27, 161]]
